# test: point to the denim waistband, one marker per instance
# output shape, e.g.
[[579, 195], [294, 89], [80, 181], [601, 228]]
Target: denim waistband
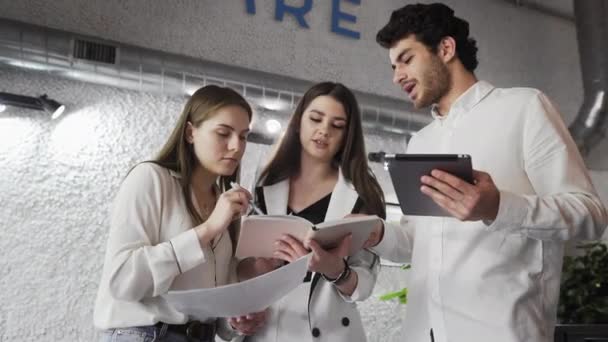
[[191, 331]]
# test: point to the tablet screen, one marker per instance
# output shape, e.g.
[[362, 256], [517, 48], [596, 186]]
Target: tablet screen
[[407, 169]]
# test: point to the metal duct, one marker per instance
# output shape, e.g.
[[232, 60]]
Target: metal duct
[[559, 9], [592, 32], [115, 64]]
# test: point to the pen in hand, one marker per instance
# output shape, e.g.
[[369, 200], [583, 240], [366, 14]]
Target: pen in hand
[[255, 207]]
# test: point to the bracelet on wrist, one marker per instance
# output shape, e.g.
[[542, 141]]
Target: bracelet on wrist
[[342, 277]]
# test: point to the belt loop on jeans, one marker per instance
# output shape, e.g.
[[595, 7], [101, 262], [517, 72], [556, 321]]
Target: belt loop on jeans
[[163, 330]]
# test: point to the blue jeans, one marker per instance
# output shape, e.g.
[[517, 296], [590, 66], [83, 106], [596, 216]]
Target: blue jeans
[[144, 334]]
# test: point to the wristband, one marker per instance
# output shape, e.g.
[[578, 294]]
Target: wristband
[[342, 277]]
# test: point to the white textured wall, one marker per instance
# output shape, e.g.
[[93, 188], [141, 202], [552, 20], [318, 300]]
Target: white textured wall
[[57, 180]]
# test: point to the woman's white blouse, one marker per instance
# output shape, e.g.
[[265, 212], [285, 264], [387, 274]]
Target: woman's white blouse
[[152, 249]]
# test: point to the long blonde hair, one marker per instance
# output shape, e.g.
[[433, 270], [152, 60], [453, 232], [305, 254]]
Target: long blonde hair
[[178, 155]]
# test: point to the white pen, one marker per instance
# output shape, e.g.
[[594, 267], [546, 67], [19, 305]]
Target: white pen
[[255, 207]]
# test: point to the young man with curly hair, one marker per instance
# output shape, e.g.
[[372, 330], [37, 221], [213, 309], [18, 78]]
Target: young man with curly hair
[[491, 271]]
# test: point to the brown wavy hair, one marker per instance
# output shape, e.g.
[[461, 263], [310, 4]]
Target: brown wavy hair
[[351, 157]]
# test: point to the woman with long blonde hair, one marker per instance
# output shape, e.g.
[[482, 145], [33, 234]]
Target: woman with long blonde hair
[[171, 226]]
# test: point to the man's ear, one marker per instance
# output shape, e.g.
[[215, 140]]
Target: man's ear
[[189, 136], [446, 50]]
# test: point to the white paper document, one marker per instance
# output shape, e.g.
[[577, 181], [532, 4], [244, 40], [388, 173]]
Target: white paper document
[[242, 298]]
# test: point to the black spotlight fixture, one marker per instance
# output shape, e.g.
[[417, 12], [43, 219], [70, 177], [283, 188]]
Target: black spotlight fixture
[[38, 103]]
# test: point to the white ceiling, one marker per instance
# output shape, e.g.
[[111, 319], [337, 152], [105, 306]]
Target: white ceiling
[[563, 8]]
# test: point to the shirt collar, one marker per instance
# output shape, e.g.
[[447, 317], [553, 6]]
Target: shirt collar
[[466, 101]]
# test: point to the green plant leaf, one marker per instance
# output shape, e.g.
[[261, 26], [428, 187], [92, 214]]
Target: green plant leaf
[[584, 289]]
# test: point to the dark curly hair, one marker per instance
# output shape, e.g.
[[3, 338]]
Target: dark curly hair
[[430, 24]]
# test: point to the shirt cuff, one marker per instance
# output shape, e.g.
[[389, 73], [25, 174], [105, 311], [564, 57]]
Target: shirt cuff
[[188, 251], [349, 299], [356, 295], [512, 211], [388, 238]]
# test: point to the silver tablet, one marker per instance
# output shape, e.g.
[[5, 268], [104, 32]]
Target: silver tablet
[[406, 170]]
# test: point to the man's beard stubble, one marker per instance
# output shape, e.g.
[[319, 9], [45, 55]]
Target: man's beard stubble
[[436, 82]]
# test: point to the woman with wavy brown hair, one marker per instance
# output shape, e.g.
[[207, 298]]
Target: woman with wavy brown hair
[[319, 172]]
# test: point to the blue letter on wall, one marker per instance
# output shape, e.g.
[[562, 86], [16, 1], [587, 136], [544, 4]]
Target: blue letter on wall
[[337, 15], [298, 12], [250, 6]]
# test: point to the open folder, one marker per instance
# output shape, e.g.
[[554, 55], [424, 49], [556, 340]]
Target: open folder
[[239, 299], [259, 233]]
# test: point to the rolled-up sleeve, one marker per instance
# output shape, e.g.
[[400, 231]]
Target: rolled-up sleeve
[[397, 243], [367, 265], [565, 204]]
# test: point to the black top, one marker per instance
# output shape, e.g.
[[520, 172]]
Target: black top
[[314, 213]]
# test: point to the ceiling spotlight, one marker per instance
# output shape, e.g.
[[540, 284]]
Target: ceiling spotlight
[[273, 126], [37, 103], [2, 108], [51, 106]]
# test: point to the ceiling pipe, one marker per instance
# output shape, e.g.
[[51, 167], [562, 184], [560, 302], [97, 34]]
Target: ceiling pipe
[[542, 7], [592, 32]]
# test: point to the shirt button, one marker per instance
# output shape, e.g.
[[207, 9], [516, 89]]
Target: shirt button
[[316, 332], [345, 321]]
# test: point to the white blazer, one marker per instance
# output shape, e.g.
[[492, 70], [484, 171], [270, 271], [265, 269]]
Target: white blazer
[[316, 310]]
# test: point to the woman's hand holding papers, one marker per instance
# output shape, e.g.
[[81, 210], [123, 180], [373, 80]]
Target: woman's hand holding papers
[[329, 262], [249, 324], [332, 264], [375, 236], [289, 249]]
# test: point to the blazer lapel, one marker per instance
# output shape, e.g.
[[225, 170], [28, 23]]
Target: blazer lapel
[[343, 199], [277, 197], [341, 203]]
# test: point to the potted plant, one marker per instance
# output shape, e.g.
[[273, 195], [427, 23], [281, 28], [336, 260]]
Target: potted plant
[[583, 304]]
